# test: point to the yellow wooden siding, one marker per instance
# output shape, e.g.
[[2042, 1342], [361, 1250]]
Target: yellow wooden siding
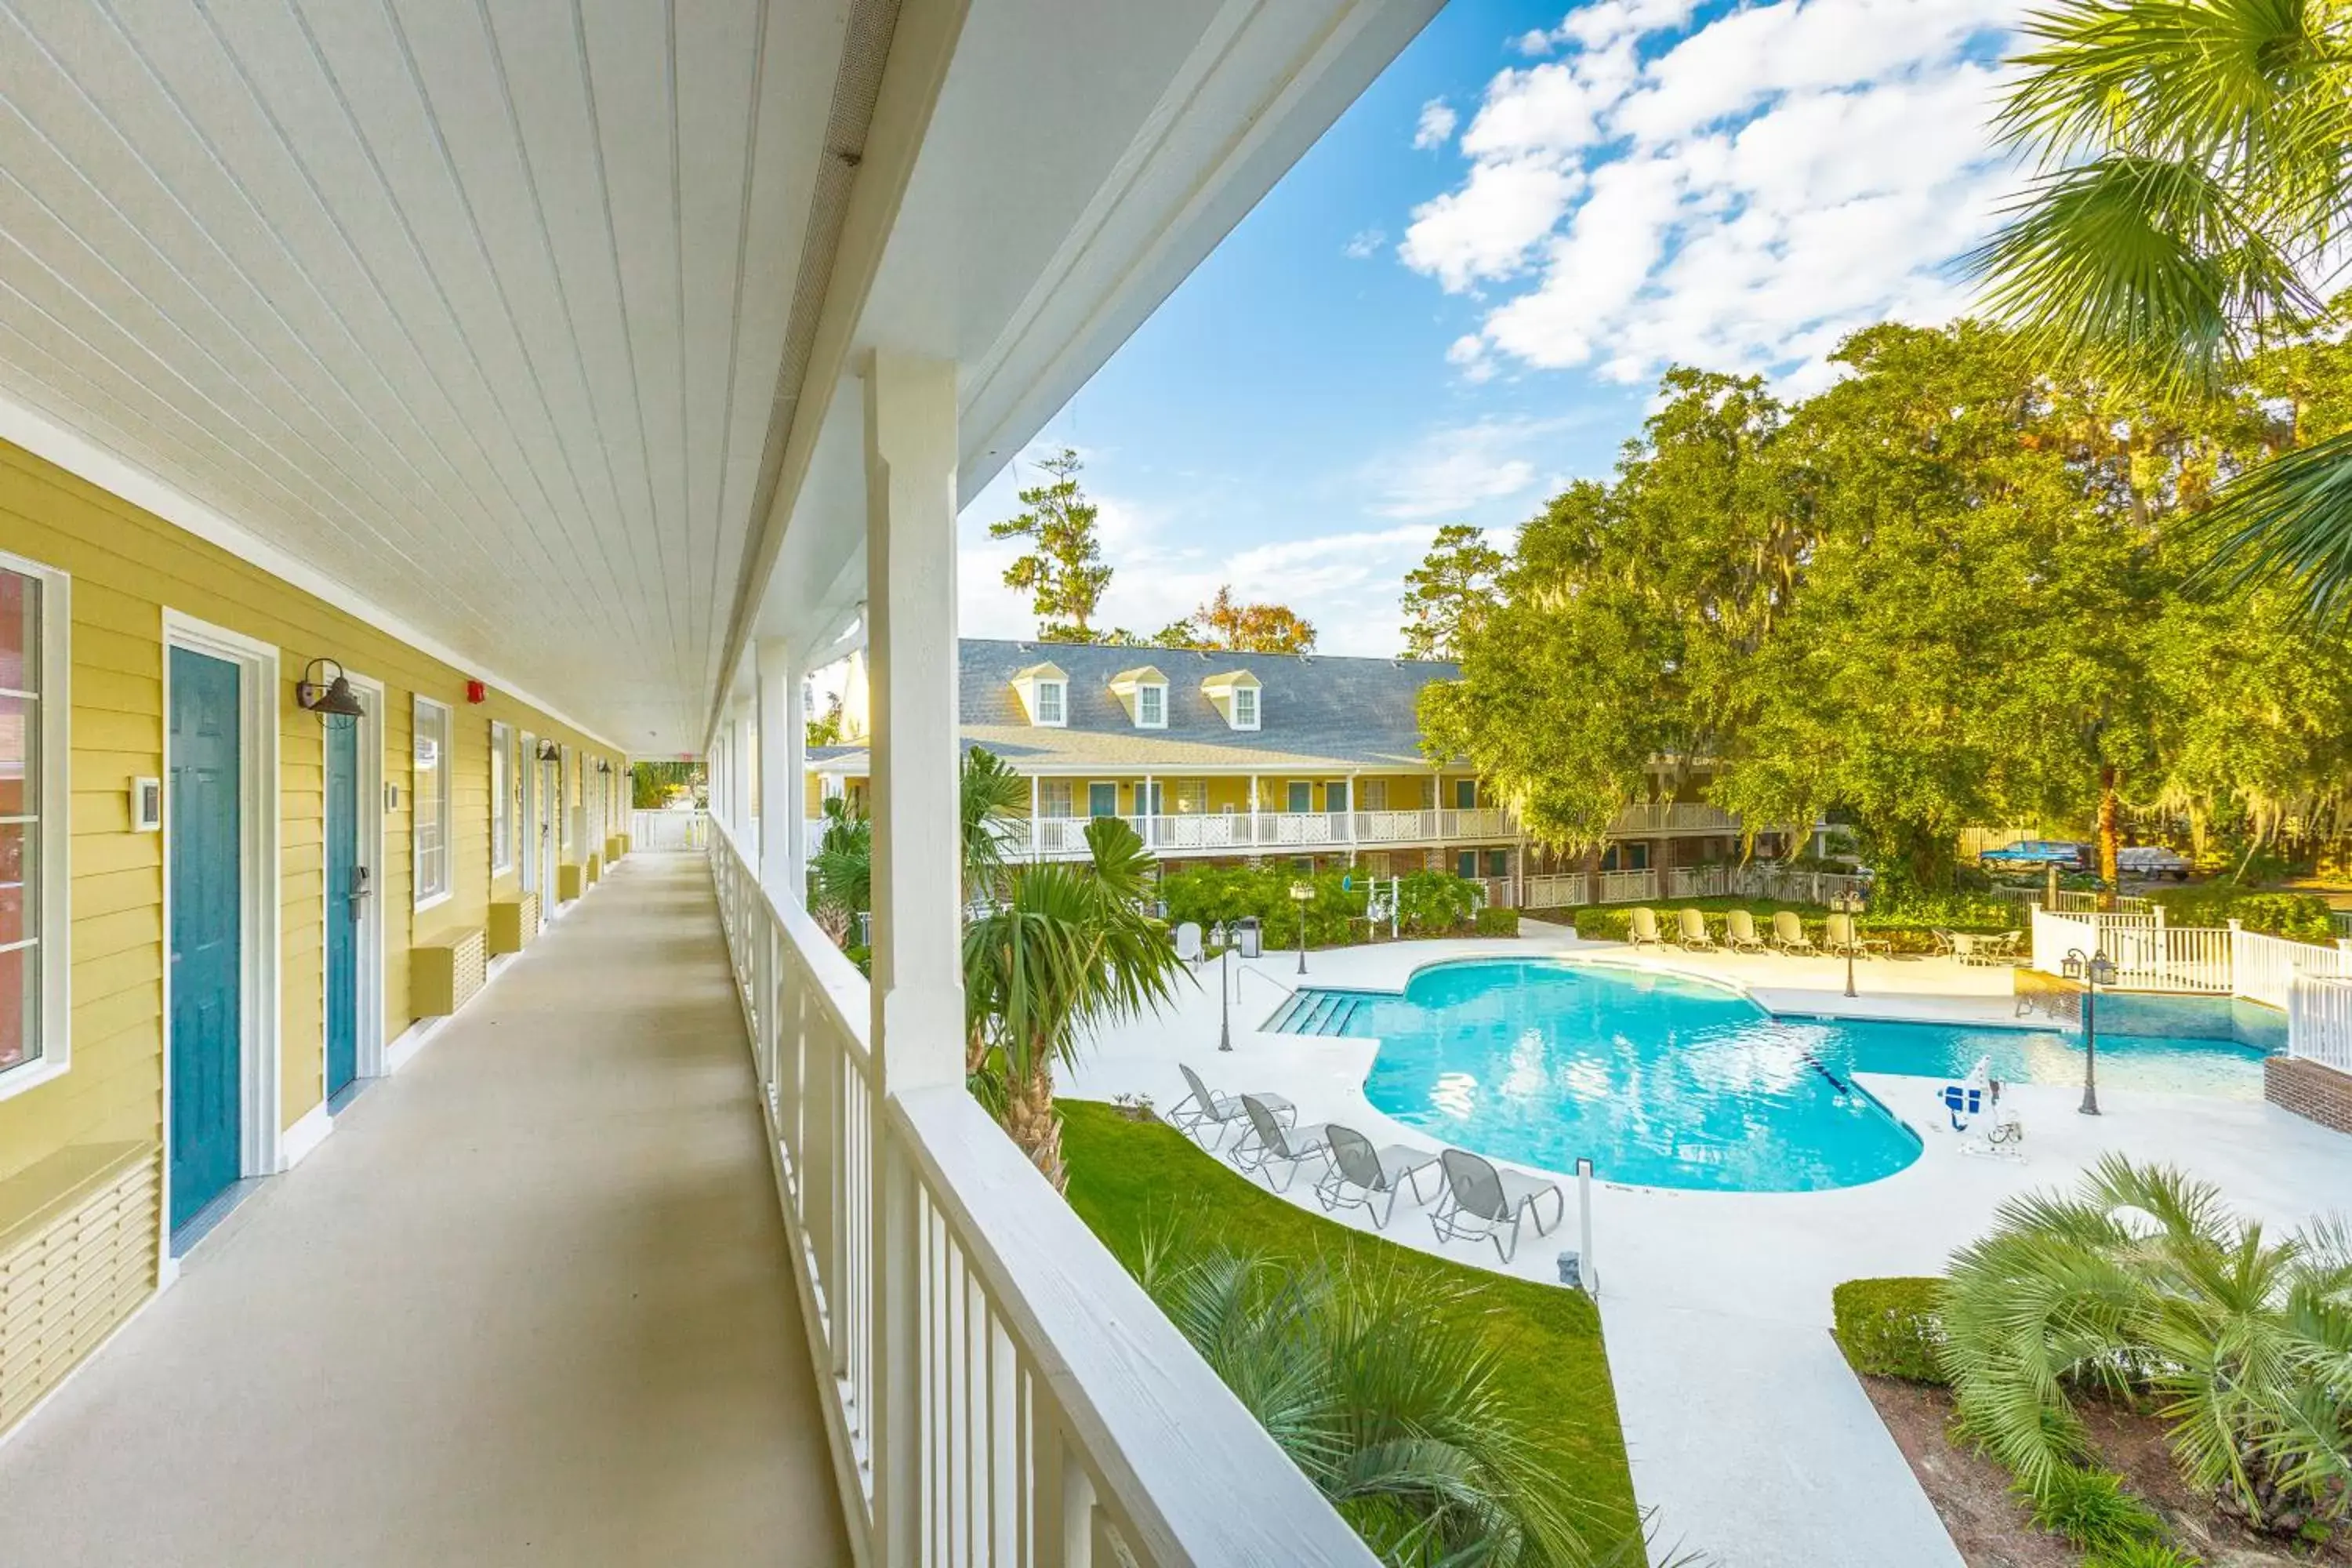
[[127, 567]]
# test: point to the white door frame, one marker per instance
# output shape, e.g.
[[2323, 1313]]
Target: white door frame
[[370, 938], [260, 938], [527, 812]]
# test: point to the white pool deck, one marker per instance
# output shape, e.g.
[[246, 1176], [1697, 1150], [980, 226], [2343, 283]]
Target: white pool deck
[[1748, 1434]]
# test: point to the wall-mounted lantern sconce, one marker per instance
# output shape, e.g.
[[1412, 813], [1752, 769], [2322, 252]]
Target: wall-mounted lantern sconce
[[604, 767], [548, 751], [330, 699]]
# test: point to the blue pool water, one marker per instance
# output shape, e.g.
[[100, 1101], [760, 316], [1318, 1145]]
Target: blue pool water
[[1671, 1082]]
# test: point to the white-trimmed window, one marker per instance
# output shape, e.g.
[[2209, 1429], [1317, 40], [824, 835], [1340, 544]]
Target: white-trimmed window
[[428, 795], [1053, 797], [35, 655], [502, 813], [1052, 695], [1244, 707], [1152, 705]]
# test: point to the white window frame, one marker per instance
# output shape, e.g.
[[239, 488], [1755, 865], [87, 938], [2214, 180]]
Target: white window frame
[[1061, 690], [1143, 696], [445, 813], [52, 939], [502, 805], [1251, 693], [1045, 801]]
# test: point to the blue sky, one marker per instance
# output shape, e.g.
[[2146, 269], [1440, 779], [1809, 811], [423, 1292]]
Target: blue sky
[[1461, 297]]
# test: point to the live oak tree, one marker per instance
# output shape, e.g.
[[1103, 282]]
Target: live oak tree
[[1447, 597], [1063, 574], [1946, 590]]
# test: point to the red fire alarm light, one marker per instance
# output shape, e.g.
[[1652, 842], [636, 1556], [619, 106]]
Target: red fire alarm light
[[476, 692]]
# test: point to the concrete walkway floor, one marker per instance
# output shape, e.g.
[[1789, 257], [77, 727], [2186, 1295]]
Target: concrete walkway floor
[[530, 1303]]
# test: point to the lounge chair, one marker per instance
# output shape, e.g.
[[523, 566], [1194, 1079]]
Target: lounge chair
[[1642, 929], [1740, 932], [1839, 937], [1481, 1201], [1691, 933], [1204, 1106], [1789, 934], [1269, 1144], [1187, 943], [1361, 1173]]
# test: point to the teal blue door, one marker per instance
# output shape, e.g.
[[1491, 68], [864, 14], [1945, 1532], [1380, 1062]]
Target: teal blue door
[[207, 960], [345, 900]]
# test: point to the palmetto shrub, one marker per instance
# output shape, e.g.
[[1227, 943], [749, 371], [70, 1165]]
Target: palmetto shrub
[[2142, 1284]]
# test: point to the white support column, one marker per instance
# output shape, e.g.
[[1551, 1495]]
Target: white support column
[[1036, 832], [783, 776]]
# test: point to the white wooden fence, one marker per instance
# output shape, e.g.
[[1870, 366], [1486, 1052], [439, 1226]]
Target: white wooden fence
[[996, 1388], [2319, 1020], [668, 829]]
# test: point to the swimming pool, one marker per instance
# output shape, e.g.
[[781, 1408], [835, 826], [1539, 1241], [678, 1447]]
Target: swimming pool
[[1667, 1081]]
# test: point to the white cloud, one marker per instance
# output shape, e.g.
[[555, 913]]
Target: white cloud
[[1458, 468], [1435, 127], [1364, 243], [1740, 194]]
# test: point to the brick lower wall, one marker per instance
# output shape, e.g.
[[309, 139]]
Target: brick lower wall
[[2310, 1090]]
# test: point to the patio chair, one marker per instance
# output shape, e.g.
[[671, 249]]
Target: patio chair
[[1642, 929], [1481, 1201], [2001, 949], [1691, 933], [1204, 1106], [1361, 1173], [1789, 934], [1740, 932], [1949, 944], [1187, 943], [1839, 937], [1269, 1144]]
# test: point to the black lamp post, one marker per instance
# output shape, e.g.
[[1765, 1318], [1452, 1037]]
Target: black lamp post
[[1849, 904], [1300, 893], [2094, 971]]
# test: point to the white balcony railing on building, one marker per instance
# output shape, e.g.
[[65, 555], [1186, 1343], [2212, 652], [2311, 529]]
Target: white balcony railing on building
[[996, 1389], [668, 829], [1263, 832], [1674, 817]]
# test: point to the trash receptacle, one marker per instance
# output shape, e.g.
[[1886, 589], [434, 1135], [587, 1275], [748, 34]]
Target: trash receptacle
[[1246, 936]]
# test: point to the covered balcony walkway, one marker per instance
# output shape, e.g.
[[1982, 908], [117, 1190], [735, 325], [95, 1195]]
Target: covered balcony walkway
[[529, 1303]]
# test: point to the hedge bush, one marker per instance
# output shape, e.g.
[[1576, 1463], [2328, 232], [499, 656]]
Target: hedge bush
[[2299, 917], [1891, 1328], [1498, 923], [1429, 903]]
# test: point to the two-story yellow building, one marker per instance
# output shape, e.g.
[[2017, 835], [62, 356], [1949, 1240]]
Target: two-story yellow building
[[1237, 757]]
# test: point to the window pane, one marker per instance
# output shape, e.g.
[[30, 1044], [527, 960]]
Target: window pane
[[20, 640], [20, 762], [19, 908], [20, 1006]]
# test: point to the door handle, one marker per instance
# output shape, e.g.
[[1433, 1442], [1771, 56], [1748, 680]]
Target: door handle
[[359, 887]]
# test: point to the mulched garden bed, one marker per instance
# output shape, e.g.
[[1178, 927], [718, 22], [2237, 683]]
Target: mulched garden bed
[[1991, 1527]]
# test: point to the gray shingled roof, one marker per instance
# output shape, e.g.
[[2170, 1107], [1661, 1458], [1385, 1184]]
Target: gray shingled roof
[[1314, 711]]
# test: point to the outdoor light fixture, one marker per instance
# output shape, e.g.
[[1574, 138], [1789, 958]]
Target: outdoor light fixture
[[2094, 970], [1301, 894], [330, 699], [548, 751], [1849, 904], [602, 767]]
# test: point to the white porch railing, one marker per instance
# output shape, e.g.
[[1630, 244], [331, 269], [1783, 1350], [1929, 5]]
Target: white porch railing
[[668, 829], [1786, 886], [1675, 817], [1260, 832], [996, 1388], [2319, 1020], [1555, 890], [2266, 967], [1628, 887]]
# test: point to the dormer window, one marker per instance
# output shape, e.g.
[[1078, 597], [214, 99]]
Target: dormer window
[[1044, 693], [1143, 693], [1236, 694]]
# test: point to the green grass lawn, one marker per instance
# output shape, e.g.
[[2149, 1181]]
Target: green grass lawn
[[1129, 1179]]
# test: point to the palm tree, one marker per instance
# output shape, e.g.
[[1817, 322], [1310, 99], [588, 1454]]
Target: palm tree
[[988, 793], [1368, 1381], [2142, 1282], [1065, 949], [2194, 179], [841, 872]]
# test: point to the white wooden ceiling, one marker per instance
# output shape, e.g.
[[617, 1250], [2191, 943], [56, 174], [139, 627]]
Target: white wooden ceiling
[[474, 307]]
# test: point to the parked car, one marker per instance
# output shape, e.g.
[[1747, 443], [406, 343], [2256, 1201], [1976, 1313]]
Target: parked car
[[2029, 854], [2151, 860]]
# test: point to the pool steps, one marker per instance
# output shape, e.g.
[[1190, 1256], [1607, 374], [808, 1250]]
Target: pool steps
[[1322, 1013]]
